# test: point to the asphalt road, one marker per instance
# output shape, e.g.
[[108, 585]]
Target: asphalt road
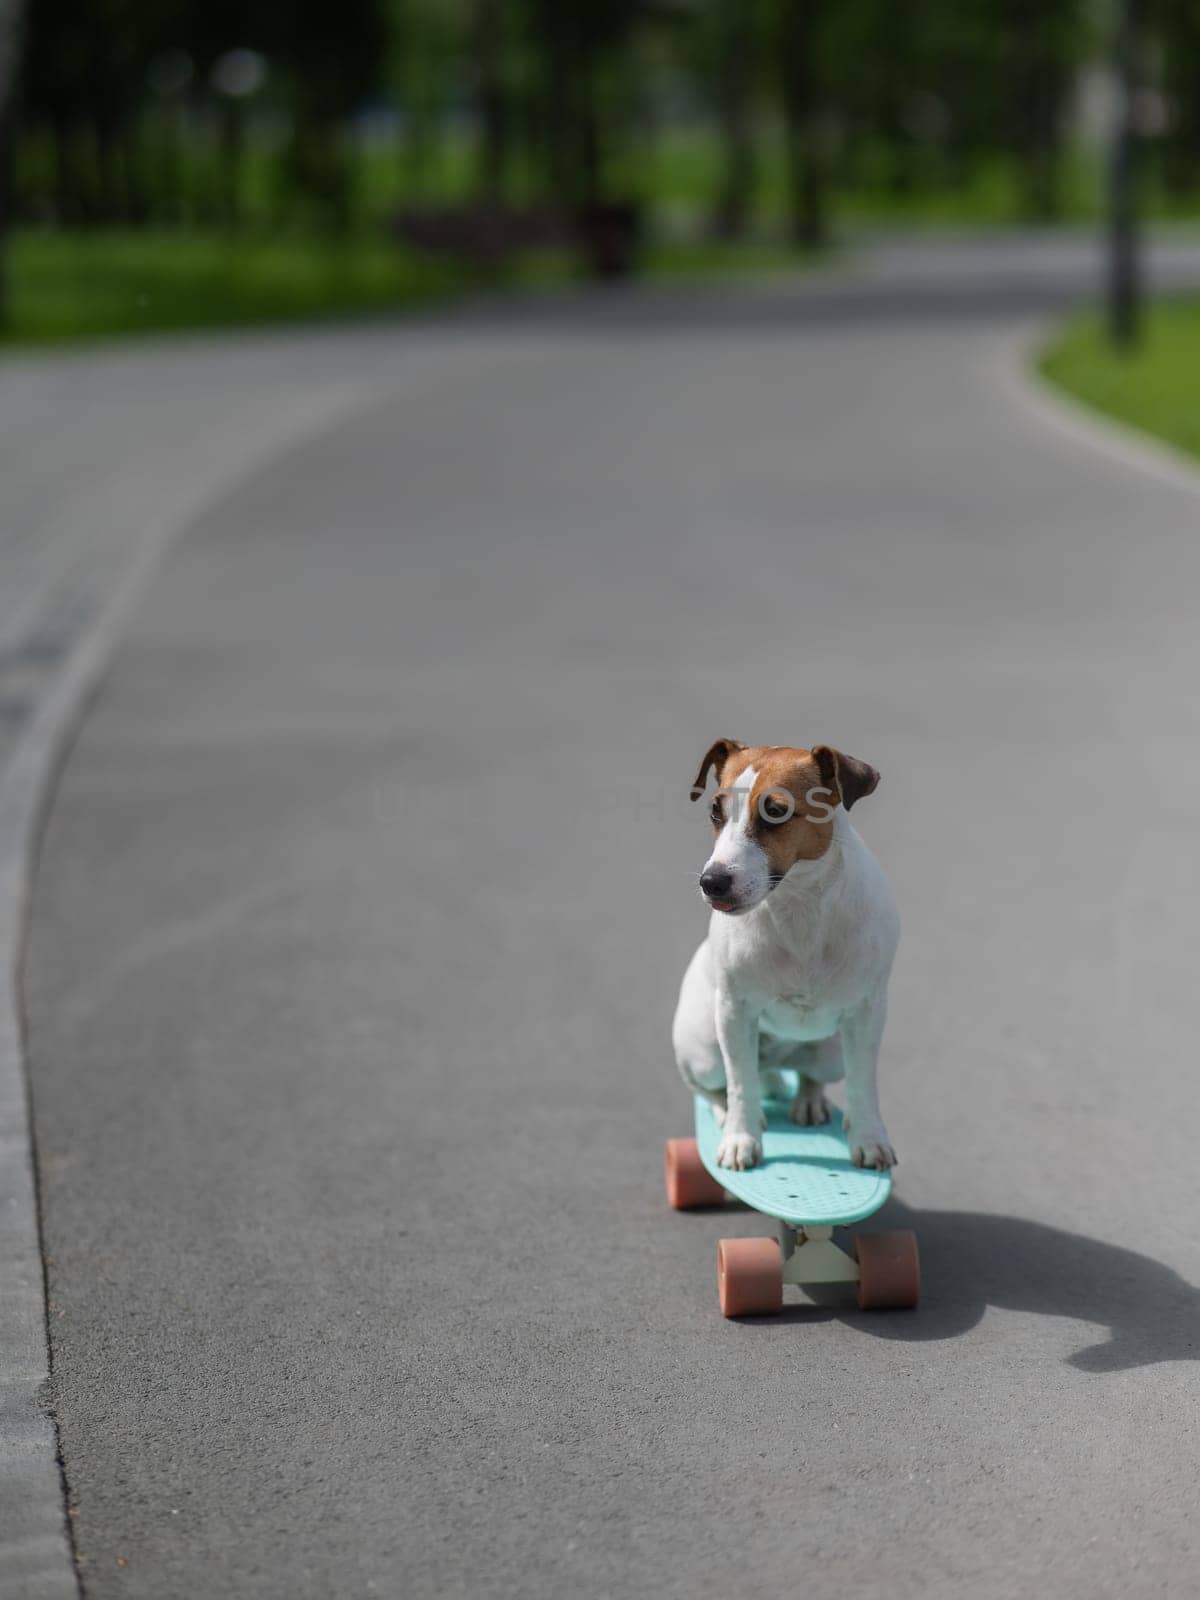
[[361, 912]]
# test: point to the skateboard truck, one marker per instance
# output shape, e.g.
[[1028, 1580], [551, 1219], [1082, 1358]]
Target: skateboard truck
[[810, 1256]]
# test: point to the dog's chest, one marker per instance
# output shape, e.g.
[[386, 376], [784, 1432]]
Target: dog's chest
[[803, 980], [799, 1016]]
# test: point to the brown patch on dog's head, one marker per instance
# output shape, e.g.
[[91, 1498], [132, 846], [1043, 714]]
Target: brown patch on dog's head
[[791, 807], [793, 797]]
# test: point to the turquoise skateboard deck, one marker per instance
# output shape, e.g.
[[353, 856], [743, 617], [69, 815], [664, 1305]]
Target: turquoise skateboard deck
[[806, 1178]]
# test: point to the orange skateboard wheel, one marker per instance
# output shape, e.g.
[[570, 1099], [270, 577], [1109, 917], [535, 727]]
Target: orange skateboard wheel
[[689, 1182], [889, 1270], [749, 1277]]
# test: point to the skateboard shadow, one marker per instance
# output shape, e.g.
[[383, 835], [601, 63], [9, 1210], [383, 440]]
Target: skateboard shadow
[[970, 1261]]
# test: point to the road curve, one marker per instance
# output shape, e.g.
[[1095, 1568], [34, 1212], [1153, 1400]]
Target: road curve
[[361, 908]]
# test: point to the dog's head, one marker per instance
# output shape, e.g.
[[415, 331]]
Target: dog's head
[[774, 807]]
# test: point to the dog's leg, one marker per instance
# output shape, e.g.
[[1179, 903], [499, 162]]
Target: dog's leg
[[694, 1036], [818, 1062], [860, 1032], [737, 1032], [810, 1108], [774, 1081], [715, 1097]]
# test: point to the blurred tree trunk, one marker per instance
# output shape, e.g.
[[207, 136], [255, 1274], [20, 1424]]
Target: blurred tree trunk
[[571, 122], [108, 189], [233, 144], [492, 101], [137, 200], [1124, 277], [1181, 154], [897, 34], [1040, 85], [735, 79], [1180, 43], [167, 141], [806, 178], [591, 146], [419, 146], [69, 207], [10, 23]]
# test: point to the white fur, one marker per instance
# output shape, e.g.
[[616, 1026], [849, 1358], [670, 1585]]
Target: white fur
[[735, 849], [798, 979]]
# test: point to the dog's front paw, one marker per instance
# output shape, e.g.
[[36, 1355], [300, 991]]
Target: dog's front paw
[[871, 1147], [739, 1150]]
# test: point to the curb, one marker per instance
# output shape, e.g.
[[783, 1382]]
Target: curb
[[36, 1558], [1117, 442]]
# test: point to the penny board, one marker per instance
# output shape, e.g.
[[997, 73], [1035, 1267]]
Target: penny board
[[806, 1177]]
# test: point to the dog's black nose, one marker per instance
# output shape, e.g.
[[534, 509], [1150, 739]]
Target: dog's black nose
[[716, 882]]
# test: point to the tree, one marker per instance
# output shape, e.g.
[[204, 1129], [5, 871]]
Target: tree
[[423, 67], [10, 22], [491, 99], [1124, 286], [1042, 47], [84, 77], [1177, 26], [730, 67], [799, 47], [582, 50], [332, 58]]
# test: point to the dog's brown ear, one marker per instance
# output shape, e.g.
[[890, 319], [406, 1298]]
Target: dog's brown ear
[[846, 776], [718, 754]]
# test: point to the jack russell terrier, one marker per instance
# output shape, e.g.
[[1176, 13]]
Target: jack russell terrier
[[794, 971]]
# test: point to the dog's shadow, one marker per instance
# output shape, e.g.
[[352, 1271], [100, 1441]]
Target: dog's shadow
[[970, 1261]]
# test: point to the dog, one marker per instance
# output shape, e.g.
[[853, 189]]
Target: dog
[[794, 971]]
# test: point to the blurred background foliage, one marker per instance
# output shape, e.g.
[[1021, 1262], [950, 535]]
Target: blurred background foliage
[[185, 162]]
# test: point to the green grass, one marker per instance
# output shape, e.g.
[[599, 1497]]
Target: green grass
[[67, 285], [680, 174], [1155, 387], [72, 285]]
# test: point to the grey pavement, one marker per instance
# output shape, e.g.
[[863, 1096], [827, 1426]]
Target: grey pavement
[[363, 901]]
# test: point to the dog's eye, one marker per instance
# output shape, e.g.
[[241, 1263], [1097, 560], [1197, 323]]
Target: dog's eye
[[775, 810], [716, 813]]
